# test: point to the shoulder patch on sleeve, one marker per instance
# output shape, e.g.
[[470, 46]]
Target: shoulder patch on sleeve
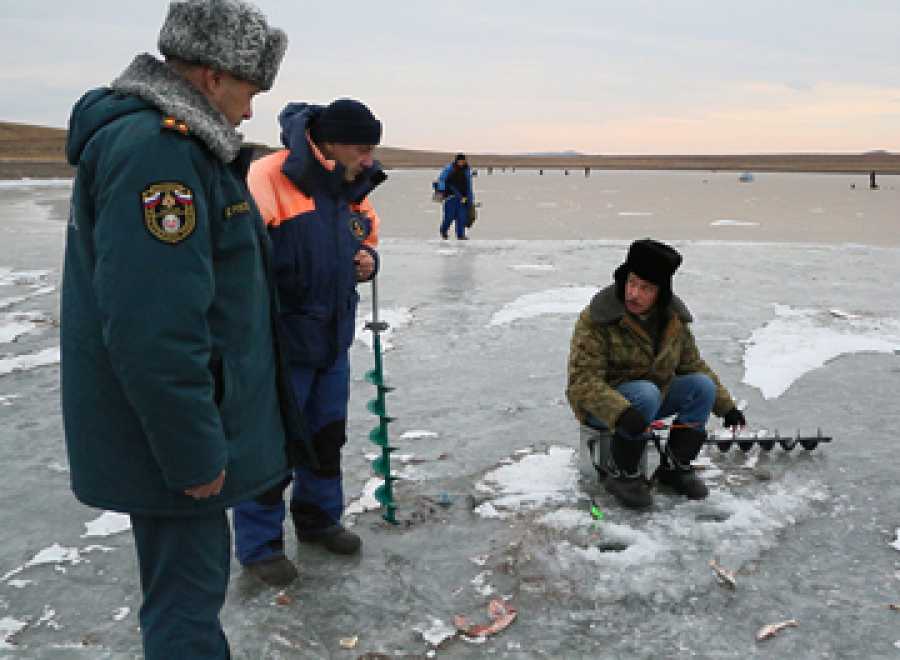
[[169, 211], [359, 226]]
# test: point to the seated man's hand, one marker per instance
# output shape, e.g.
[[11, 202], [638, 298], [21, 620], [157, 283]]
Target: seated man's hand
[[632, 422], [464, 200], [733, 418]]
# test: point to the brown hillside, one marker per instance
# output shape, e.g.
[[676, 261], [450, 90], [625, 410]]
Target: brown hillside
[[38, 151]]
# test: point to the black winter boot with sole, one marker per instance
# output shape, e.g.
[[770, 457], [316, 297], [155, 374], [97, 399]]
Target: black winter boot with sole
[[675, 470], [625, 481]]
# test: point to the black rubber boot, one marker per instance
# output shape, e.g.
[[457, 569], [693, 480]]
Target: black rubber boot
[[277, 571], [625, 481], [338, 540], [675, 470]]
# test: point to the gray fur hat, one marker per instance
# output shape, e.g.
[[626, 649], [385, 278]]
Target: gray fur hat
[[229, 35]]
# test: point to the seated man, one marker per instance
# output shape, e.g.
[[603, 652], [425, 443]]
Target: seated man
[[633, 359]]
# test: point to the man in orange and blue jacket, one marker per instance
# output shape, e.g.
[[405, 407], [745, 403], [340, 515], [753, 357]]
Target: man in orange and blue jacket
[[324, 231]]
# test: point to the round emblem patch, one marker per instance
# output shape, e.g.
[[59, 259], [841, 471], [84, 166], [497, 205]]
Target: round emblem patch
[[169, 213], [358, 227]]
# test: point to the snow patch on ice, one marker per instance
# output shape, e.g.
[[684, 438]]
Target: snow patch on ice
[[19, 584], [895, 544], [562, 300], [533, 267], [9, 332], [9, 277], [635, 213], [532, 481], [435, 631], [798, 341], [395, 317], [107, 524], [664, 543], [32, 184], [731, 222], [57, 555], [29, 361], [366, 501], [121, 613], [417, 434], [9, 628]]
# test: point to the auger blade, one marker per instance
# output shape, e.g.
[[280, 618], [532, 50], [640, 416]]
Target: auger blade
[[384, 495], [378, 436], [374, 377], [375, 407], [382, 465]]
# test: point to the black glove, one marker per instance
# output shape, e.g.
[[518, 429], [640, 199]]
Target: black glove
[[632, 422], [734, 417]]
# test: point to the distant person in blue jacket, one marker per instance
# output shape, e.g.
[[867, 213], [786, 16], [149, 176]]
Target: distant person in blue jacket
[[175, 406], [455, 185]]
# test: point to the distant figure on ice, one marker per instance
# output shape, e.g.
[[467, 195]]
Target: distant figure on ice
[[173, 400], [455, 185], [324, 230], [633, 359]]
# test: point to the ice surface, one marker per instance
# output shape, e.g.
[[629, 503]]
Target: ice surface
[[491, 498], [800, 340]]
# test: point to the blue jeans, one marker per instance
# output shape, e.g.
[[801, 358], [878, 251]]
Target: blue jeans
[[690, 397], [455, 211], [317, 500]]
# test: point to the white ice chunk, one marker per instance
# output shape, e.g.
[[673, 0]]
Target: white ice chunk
[[10, 627], [29, 361], [417, 435], [895, 544], [534, 480], [798, 341], [731, 222], [564, 300], [107, 524], [435, 631], [367, 501]]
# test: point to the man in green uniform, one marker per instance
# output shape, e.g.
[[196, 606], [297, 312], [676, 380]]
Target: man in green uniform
[[633, 359], [175, 405]]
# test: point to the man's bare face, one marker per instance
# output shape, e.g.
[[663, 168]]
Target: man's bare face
[[640, 295]]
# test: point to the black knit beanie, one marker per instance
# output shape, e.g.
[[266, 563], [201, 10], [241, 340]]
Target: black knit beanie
[[346, 121]]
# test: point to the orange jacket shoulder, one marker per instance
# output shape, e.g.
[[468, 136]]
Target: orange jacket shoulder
[[277, 198]]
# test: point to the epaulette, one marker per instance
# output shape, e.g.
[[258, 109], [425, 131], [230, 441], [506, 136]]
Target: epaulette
[[175, 125]]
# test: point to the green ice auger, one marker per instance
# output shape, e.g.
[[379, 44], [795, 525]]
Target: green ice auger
[[379, 435]]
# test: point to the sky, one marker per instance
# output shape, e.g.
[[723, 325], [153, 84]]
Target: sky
[[519, 76]]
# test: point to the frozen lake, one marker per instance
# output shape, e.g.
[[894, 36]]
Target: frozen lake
[[792, 280]]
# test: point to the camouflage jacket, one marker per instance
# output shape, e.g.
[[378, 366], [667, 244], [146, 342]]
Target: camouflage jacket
[[609, 348]]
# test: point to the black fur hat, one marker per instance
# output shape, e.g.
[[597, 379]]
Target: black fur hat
[[228, 35], [652, 261]]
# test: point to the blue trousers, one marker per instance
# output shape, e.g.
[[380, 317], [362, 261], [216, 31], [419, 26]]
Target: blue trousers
[[690, 397], [317, 499], [184, 565], [455, 211]]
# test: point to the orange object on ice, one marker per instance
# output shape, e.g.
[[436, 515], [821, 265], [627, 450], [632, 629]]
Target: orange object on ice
[[502, 614]]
